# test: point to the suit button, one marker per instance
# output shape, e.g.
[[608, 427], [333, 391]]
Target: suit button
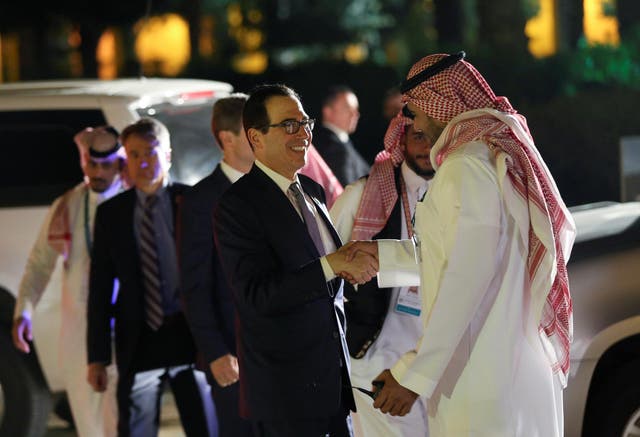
[[336, 334]]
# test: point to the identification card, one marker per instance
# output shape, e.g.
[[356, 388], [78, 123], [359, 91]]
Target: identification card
[[409, 301]]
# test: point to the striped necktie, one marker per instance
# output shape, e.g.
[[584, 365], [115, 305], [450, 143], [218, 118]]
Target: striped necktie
[[150, 266]]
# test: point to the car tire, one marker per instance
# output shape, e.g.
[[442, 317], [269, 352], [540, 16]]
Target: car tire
[[26, 400], [614, 406]]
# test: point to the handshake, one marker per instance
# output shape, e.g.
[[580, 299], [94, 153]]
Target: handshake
[[356, 261]]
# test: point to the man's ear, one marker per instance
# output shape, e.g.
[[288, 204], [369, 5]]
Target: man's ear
[[223, 135], [255, 137]]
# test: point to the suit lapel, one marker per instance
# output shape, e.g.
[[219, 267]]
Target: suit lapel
[[280, 207]]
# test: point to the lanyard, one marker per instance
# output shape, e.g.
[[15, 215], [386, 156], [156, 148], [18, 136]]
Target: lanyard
[[87, 230], [406, 208]]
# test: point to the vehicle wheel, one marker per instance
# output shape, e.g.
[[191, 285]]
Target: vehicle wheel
[[25, 401], [614, 410]]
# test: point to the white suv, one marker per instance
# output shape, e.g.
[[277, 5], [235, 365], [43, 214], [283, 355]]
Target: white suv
[[37, 123]]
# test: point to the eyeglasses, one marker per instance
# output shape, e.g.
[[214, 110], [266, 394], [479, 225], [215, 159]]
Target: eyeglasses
[[293, 126]]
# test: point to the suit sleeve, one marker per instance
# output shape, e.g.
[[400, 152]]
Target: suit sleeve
[[257, 276], [198, 275], [101, 282]]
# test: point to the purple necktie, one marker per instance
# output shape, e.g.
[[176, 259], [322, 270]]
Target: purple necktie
[[308, 218]]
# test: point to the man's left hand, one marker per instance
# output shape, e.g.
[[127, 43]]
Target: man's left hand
[[393, 398]]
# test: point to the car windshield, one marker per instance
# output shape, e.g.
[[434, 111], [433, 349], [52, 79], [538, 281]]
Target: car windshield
[[194, 149]]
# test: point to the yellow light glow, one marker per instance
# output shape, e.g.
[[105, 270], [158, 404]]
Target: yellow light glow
[[106, 55], [541, 30], [10, 57], [250, 63], [234, 15], [599, 28], [355, 53], [162, 44], [207, 43]]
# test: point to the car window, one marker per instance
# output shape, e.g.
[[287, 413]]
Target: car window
[[194, 149], [39, 158]]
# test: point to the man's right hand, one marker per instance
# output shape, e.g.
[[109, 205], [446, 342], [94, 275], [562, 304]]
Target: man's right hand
[[22, 334], [360, 268], [97, 376], [225, 370]]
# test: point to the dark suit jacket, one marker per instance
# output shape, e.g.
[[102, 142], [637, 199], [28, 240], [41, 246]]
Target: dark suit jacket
[[207, 297], [343, 158], [115, 255], [290, 320]]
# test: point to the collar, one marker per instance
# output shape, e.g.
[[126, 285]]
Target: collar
[[282, 182], [414, 181], [231, 173], [342, 135], [142, 196]]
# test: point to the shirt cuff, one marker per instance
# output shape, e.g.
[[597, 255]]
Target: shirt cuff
[[398, 265], [326, 269]]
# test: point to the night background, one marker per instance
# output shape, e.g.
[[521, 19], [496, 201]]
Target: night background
[[571, 67]]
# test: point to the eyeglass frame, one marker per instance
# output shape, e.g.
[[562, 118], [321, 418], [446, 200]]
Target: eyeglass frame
[[283, 124]]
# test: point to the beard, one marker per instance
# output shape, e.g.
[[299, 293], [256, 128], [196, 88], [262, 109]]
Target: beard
[[427, 172]]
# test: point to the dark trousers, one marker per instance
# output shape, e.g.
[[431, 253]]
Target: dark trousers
[[230, 424], [336, 426], [139, 397]]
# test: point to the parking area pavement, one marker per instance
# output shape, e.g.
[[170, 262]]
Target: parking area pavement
[[169, 422]]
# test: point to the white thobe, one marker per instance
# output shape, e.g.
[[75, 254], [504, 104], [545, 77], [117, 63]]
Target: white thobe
[[399, 333], [94, 414], [480, 361]]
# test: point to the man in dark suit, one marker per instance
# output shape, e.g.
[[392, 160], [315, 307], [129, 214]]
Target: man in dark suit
[[208, 302], [134, 243], [340, 116], [274, 230]]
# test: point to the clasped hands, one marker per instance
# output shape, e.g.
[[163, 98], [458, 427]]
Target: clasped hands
[[356, 261]]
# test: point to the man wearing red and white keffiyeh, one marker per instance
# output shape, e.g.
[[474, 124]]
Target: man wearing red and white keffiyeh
[[493, 240], [384, 323]]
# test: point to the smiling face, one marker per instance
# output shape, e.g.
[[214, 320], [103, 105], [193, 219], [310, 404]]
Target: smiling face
[[416, 148], [283, 153]]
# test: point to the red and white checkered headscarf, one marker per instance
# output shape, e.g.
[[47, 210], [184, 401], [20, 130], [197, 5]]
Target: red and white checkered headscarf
[[461, 97], [380, 194]]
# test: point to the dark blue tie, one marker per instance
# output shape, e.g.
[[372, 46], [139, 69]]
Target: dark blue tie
[[150, 267]]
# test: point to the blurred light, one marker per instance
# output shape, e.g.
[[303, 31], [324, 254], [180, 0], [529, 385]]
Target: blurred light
[[251, 39], [250, 63], [106, 55], [541, 30], [234, 15], [206, 43], [254, 16], [74, 40], [356, 53], [599, 28], [9, 57], [162, 44]]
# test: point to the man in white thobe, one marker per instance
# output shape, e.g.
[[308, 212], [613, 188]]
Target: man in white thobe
[[493, 238], [67, 232], [381, 206]]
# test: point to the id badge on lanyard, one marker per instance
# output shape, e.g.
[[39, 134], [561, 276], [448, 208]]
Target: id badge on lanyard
[[409, 301]]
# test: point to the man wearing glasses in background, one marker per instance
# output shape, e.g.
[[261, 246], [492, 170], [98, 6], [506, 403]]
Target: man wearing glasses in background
[[282, 265]]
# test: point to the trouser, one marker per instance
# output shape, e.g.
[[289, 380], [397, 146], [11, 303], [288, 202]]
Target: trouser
[[230, 424], [335, 426], [139, 397]]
